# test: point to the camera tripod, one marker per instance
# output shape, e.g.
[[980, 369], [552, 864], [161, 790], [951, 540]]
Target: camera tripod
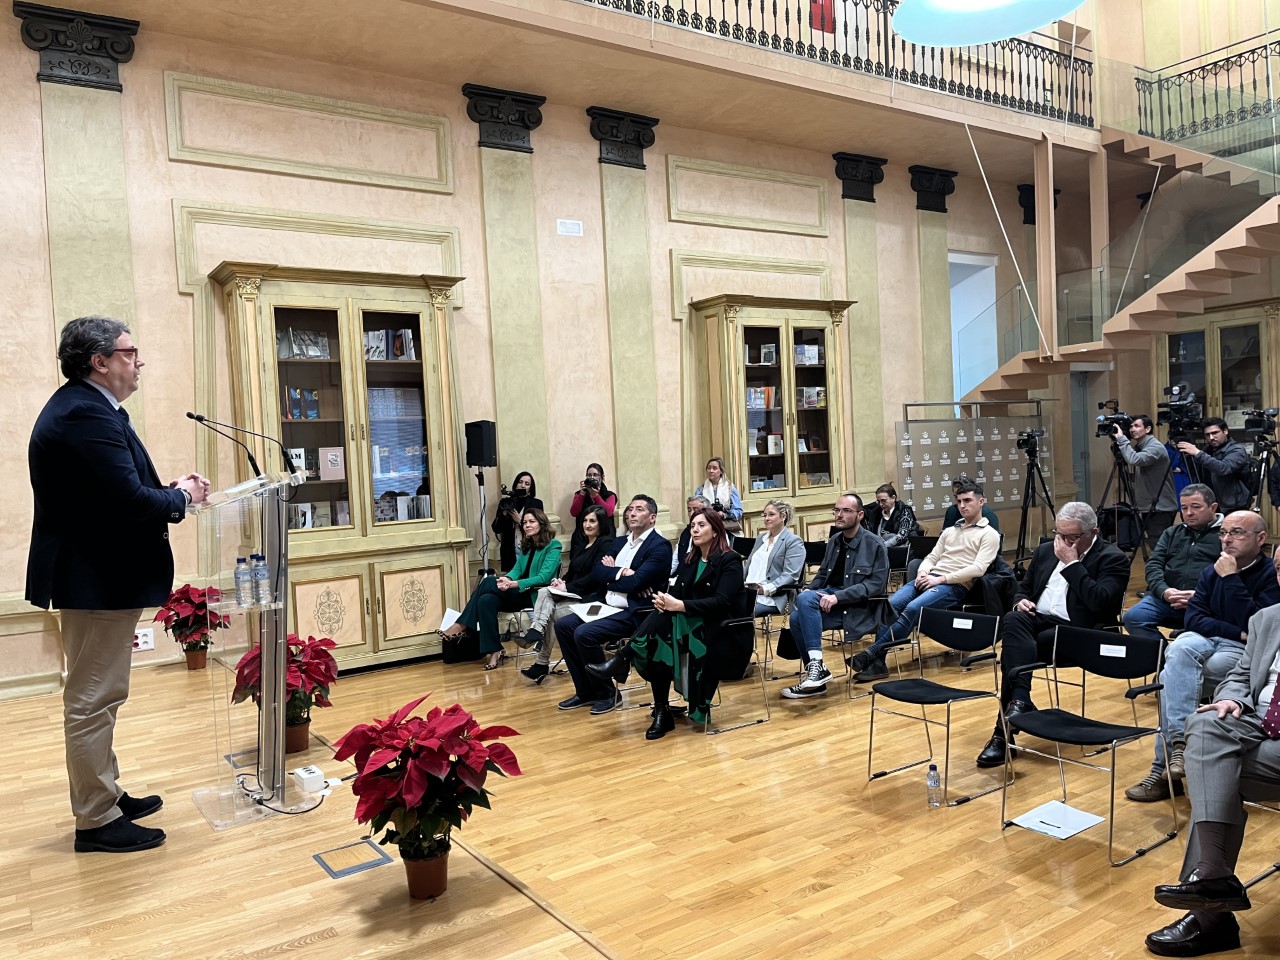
[[1120, 476], [1029, 500], [1264, 459]]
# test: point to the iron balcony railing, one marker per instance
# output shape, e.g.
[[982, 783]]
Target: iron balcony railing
[[857, 35], [1214, 96]]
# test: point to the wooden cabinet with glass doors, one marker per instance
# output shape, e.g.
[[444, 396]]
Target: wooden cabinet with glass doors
[[1225, 361], [354, 373], [771, 402]]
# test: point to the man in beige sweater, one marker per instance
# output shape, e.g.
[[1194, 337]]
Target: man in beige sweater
[[962, 554]]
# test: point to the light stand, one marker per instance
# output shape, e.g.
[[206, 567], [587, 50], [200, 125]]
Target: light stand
[[485, 569]]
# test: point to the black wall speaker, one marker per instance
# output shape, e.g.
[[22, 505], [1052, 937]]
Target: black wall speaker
[[482, 443]]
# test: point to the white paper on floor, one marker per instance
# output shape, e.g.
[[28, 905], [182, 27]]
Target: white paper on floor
[[1056, 819]]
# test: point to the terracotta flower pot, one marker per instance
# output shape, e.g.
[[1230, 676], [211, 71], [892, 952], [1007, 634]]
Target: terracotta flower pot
[[197, 659], [428, 878], [297, 737]]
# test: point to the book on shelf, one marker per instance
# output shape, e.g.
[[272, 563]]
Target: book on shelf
[[292, 403], [822, 398], [313, 464], [300, 517], [404, 507], [420, 509], [342, 513], [332, 464], [384, 508], [755, 398], [775, 443], [801, 445], [769, 353], [309, 344], [310, 404], [375, 344], [322, 514], [298, 457]]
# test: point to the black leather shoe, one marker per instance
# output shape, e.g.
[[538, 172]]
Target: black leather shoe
[[992, 754], [616, 668], [573, 703], [1188, 938], [537, 672], [135, 808], [1018, 706], [663, 723], [121, 835], [1220, 893]]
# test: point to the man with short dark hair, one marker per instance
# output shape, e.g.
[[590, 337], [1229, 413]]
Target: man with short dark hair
[[1152, 479], [1181, 553], [854, 569], [100, 554], [1223, 464], [634, 566], [962, 554]]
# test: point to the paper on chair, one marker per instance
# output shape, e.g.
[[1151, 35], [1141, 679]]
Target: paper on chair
[[565, 594], [1056, 819], [587, 612]]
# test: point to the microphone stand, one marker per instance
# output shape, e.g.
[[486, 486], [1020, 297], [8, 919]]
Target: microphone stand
[[247, 452]]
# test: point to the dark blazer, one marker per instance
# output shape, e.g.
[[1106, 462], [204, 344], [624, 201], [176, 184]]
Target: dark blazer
[[1095, 585], [579, 577], [719, 594], [651, 566], [100, 535]]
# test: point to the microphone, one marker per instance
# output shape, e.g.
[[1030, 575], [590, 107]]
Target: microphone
[[288, 462], [247, 452]]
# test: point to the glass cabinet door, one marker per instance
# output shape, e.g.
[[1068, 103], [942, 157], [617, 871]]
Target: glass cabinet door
[[398, 451], [765, 419], [1239, 371], [813, 436], [1187, 363], [312, 414]]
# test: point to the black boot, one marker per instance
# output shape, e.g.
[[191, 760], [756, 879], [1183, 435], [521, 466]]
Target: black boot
[[616, 667], [537, 672], [663, 722]]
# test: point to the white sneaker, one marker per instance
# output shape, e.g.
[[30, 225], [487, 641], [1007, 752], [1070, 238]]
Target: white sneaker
[[798, 692], [815, 677]]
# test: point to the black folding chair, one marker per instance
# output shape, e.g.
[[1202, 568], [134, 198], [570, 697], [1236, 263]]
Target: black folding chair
[[968, 633], [1101, 653]]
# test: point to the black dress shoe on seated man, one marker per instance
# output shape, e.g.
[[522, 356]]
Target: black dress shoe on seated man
[[992, 754], [615, 668], [121, 835], [664, 722], [1219, 893], [1188, 937], [135, 808]]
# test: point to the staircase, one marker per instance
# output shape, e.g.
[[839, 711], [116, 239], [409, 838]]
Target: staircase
[[1243, 250]]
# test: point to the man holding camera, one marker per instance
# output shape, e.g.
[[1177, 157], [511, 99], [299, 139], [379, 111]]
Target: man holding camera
[[1223, 464], [1152, 479]]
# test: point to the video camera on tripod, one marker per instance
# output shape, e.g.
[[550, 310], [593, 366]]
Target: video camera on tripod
[[516, 500], [1029, 442], [1261, 424], [1181, 414], [1108, 422]]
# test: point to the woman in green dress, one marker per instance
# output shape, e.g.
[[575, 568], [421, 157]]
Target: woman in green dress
[[538, 565], [683, 641]]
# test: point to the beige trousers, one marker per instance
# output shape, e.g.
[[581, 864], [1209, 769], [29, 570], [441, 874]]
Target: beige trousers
[[99, 649]]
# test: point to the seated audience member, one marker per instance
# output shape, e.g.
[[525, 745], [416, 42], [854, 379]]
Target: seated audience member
[[722, 495], [1076, 579], [1237, 585], [632, 569], [592, 492], [776, 561], [506, 522], [962, 554], [1181, 553], [855, 568], [682, 641], [952, 516], [1236, 738], [891, 519], [578, 579], [692, 505], [538, 563]]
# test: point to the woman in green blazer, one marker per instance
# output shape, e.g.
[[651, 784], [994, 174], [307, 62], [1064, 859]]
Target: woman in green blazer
[[538, 565]]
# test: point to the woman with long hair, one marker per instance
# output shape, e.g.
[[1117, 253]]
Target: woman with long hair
[[682, 641], [722, 494], [592, 492], [506, 522], [578, 579], [539, 562]]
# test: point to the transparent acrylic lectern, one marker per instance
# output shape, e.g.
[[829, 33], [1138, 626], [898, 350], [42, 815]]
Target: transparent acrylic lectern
[[249, 777]]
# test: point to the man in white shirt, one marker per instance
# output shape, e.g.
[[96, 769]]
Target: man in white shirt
[[1233, 739]]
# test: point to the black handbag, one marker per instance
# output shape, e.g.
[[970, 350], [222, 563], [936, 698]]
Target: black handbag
[[464, 648], [786, 648]]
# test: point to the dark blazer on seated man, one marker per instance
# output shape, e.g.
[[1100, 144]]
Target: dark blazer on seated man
[[634, 566], [1076, 578]]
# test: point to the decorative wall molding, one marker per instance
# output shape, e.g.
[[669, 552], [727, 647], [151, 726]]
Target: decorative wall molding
[[306, 158], [507, 118], [81, 49], [623, 136], [1027, 201], [750, 178], [859, 175], [932, 186], [682, 260]]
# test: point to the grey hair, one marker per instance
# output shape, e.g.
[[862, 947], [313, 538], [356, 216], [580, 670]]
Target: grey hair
[[783, 508], [1081, 513], [85, 338], [699, 499]]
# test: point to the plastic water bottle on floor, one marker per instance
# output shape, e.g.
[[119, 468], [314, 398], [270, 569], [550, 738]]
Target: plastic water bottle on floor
[[261, 579], [933, 784], [244, 583]]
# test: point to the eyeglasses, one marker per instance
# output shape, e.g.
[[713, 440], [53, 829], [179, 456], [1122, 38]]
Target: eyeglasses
[[130, 352], [1069, 537], [884, 501], [839, 510], [1237, 534]]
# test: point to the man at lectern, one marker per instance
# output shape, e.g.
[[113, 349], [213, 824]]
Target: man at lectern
[[100, 554]]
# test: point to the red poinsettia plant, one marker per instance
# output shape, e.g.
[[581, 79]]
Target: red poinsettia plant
[[311, 671], [419, 777], [187, 619]]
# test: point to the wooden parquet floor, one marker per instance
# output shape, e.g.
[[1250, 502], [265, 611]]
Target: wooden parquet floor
[[762, 842]]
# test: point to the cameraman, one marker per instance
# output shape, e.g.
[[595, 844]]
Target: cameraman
[[1223, 464], [522, 496], [1152, 478]]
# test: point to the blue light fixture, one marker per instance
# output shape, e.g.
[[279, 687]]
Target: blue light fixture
[[964, 23]]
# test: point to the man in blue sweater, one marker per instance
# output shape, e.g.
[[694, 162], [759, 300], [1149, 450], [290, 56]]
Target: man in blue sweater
[[1240, 583]]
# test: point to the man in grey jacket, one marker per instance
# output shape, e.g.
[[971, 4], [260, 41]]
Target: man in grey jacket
[[1152, 478], [854, 569], [1223, 464]]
